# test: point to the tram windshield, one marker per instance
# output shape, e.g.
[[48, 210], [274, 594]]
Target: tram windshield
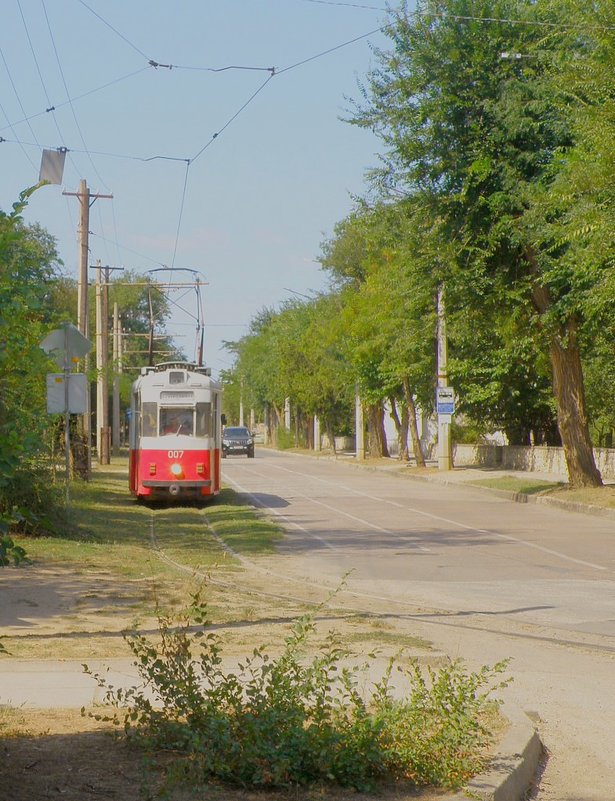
[[176, 421]]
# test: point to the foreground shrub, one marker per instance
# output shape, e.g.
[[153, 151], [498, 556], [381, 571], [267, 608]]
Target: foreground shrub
[[290, 720]]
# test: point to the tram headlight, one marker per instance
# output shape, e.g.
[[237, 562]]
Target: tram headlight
[[176, 470]]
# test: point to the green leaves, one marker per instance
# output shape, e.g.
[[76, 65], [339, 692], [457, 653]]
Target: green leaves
[[299, 717]]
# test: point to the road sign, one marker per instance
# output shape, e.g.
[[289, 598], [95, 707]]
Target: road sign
[[66, 345], [58, 396], [445, 400]]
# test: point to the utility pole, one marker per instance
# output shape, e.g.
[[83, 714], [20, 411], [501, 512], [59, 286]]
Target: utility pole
[[445, 452], [359, 426], [241, 401], [117, 370], [317, 446], [86, 200], [102, 361]]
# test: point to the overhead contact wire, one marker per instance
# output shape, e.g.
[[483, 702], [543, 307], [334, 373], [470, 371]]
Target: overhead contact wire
[[233, 118], [55, 50]]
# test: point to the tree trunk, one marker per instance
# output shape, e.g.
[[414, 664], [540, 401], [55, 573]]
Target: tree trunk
[[417, 450], [375, 428], [568, 389], [330, 435], [401, 426], [275, 423]]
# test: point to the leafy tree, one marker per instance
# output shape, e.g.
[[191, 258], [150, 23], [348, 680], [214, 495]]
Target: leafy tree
[[479, 139], [388, 315], [28, 265]]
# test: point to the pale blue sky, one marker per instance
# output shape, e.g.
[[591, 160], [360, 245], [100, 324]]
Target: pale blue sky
[[259, 198]]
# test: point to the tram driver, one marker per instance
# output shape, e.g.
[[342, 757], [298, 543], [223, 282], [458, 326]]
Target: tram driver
[[176, 421]]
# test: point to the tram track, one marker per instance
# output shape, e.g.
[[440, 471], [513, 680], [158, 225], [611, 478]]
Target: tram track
[[343, 599]]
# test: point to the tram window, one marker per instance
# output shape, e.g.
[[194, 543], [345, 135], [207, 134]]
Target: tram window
[[203, 419], [148, 420], [177, 421]]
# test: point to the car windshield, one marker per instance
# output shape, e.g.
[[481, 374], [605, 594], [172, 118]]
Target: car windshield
[[236, 432]]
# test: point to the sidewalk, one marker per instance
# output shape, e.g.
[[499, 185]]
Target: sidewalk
[[469, 474]]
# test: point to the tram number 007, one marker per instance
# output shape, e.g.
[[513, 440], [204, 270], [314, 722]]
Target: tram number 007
[[175, 454]]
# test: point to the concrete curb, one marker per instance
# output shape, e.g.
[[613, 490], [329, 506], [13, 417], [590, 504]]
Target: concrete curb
[[511, 495], [513, 767], [31, 684], [521, 497]]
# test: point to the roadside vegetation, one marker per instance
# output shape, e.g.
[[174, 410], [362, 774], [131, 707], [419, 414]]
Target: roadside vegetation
[[299, 719], [239, 686], [588, 496], [495, 188]]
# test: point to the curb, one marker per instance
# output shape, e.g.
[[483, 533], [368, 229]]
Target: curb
[[514, 766], [521, 497], [511, 495]]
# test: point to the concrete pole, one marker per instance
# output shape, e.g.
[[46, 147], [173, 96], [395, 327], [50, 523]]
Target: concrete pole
[[266, 418], [287, 414], [317, 446], [116, 382], [359, 427], [241, 402], [445, 455]]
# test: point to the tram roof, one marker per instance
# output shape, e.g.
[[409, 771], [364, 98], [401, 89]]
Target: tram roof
[[158, 374], [178, 365]]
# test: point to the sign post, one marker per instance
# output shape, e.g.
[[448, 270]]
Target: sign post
[[66, 391]]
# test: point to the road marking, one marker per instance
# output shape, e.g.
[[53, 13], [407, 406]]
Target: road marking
[[407, 540], [509, 538], [258, 502]]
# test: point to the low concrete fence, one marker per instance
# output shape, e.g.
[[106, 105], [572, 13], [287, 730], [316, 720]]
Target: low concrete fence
[[539, 458]]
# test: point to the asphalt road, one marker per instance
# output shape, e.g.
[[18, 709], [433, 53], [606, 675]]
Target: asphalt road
[[482, 577]]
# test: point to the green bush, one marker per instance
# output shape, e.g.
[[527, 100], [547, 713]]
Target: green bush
[[290, 720], [286, 439]]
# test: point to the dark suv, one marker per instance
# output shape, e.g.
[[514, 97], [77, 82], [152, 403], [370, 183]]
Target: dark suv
[[237, 439]]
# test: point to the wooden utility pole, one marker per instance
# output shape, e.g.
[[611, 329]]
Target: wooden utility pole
[[86, 199]]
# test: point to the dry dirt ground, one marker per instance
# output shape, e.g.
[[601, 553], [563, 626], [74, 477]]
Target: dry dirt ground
[[52, 612], [57, 754]]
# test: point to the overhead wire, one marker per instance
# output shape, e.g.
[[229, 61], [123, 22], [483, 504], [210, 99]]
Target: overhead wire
[[110, 26], [233, 118], [49, 104], [25, 152], [349, 5], [330, 50], [12, 82], [55, 106], [55, 50], [181, 214]]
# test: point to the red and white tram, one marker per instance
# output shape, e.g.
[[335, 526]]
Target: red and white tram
[[175, 432]]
